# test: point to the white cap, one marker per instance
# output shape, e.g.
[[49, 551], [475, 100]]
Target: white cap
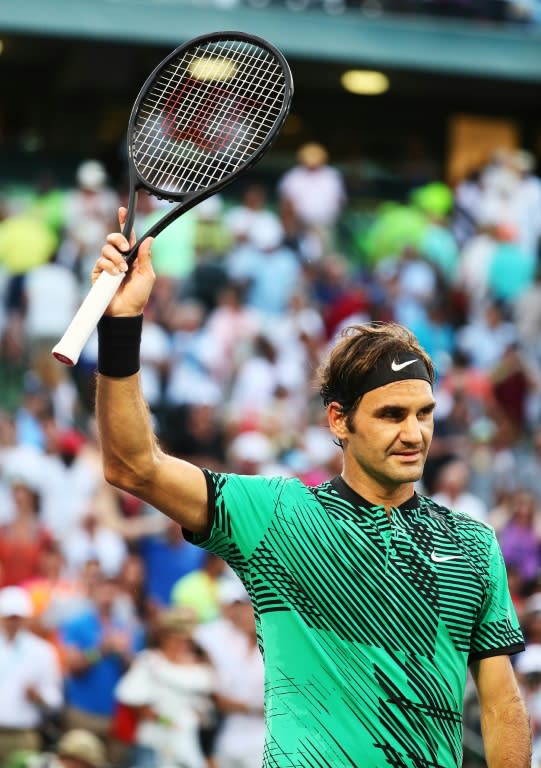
[[15, 601], [91, 175]]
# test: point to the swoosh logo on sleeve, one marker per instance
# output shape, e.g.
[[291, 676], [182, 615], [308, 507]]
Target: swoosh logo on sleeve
[[398, 366], [443, 558]]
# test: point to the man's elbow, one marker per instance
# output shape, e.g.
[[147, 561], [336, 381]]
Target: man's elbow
[[126, 476]]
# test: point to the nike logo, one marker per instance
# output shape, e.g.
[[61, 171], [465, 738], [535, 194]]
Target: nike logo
[[443, 558], [398, 366]]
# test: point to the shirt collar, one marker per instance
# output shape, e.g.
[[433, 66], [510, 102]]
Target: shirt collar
[[346, 492]]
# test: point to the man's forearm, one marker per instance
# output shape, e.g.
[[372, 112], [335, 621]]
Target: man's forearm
[[507, 736], [127, 440]]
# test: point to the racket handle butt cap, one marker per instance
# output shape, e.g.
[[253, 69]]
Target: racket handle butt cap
[[63, 358], [71, 344]]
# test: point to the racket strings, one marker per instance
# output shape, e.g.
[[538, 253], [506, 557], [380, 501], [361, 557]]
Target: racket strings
[[204, 106], [191, 131]]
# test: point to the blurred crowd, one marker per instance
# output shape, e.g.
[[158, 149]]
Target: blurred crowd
[[120, 642], [499, 11], [516, 12]]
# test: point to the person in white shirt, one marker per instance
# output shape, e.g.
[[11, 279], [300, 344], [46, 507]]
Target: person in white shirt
[[30, 674], [52, 296], [452, 490], [92, 539], [231, 644], [315, 193], [170, 687]]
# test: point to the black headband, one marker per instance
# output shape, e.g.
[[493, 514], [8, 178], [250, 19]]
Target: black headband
[[402, 366]]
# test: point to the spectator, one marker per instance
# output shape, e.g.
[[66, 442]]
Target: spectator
[[511, 270], [70, 480], [198, 591], [193, 358], [268, 269], [35, 405], [232, 326], [90, 210], [452, 490], [31, 680], [513, 381], [98, 647], [133, 600], [167, 557], [250, 215], [23, 540], [49, 285], [256, 380], [485, 339], [527, 316], [77, 749], [169, 687], [474, 267], [155, 358], [316, 193], [92, 539], [195, 430], [55, 596], [240, 693], [519, 540]]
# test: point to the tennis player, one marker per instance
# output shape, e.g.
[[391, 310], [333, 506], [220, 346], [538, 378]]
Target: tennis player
[[372, 602]]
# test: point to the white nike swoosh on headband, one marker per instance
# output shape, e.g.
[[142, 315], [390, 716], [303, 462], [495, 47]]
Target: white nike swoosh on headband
[[398, 366], [443, 558]]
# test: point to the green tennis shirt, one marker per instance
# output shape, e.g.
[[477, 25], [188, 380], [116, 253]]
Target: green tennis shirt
[[366, 623]]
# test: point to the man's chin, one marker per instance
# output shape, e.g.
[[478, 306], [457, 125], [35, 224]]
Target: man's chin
[[409, 474]]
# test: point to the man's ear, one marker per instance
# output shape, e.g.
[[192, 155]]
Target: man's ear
[[337, 420]]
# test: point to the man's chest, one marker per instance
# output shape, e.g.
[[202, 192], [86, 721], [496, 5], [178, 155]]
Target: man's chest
[[373, 579]]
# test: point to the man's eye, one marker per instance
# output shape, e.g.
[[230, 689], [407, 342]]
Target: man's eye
[[391, 413]]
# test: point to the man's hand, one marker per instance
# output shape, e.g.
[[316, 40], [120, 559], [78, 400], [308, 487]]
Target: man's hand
[[134, 291], [115, 642], [33, 695]]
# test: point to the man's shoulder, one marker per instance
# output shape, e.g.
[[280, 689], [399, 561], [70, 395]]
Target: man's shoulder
[[255, 482]]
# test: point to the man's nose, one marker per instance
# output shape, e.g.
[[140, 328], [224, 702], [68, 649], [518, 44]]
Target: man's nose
[[411, 430]]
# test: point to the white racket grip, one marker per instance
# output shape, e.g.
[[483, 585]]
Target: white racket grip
[[87, 317]]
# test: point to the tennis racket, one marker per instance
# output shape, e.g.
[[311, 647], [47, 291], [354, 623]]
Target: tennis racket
[[205, 115]]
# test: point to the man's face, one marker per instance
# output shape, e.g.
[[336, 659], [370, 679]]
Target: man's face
[[12, 624], [386, 439]]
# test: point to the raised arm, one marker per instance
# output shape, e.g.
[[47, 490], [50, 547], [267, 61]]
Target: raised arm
[[504, 719], [132, 457]]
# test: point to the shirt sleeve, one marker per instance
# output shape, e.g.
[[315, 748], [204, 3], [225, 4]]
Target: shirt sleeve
[[240, 510], [497, 631]]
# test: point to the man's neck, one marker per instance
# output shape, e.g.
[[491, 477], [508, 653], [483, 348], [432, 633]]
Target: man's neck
[[376, 493], [10, 637]]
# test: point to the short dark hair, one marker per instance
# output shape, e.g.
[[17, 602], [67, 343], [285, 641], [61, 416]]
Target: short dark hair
[[357, 351]]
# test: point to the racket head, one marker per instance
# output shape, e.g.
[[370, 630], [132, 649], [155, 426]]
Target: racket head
[[207, 112]]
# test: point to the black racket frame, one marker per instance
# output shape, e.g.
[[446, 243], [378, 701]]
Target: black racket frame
[[189, 200]]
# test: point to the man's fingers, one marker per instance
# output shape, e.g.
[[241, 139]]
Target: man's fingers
[[118, 240], [144, 254], [122, 216], [111, 261]]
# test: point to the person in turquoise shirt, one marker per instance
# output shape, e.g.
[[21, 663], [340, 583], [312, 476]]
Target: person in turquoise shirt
[[511, 270]]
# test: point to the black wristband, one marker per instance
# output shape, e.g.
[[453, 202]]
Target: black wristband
[[119, 340]]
